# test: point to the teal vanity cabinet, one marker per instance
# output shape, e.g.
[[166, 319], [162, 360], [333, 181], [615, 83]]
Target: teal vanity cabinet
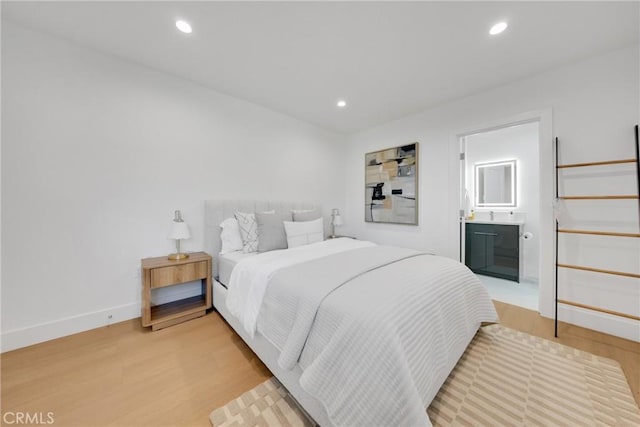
[[493, 250]]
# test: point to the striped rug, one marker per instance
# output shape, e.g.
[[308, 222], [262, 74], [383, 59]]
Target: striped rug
[[504, 378], [268, 404]]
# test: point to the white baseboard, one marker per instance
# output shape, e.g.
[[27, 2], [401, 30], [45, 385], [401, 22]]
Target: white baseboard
[[35, 334], [23, 337], [608, 324], [530, 280]]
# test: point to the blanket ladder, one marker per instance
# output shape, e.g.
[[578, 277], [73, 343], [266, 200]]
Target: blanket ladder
[[560, 231]]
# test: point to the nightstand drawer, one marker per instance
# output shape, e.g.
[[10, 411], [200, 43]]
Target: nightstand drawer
[[165, 276]]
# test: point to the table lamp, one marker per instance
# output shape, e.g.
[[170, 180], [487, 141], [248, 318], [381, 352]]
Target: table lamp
[[179, 231], [336, 221]]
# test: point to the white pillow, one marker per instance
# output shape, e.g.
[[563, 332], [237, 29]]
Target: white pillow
[[304, 232], [306, 215], [230, 236]]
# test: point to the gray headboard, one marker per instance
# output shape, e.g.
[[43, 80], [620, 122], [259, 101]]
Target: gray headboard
[[216, 211]]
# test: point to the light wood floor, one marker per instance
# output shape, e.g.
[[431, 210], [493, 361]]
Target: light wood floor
[[124, 375]]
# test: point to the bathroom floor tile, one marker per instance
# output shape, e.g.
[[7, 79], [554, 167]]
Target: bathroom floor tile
[[523, 294]]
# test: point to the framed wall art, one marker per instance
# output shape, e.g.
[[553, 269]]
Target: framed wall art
[[391, 185]]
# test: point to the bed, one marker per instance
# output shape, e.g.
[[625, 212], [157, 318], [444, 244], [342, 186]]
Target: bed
[[358, 333]]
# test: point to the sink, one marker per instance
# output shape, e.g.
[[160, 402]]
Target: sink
[[496, 222]]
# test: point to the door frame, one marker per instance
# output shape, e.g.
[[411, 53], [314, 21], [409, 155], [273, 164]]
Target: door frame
[[546, 181]]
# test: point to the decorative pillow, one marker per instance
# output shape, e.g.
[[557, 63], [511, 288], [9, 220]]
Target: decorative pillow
[[306, 215], [304, 232], [230, 236], [271, 234], [249, 230]]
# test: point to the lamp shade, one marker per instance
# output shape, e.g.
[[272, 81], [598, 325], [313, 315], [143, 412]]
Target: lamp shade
[[337, 219], [179, 230]]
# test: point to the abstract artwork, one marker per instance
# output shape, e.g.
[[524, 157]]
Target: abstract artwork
[[391, 185]]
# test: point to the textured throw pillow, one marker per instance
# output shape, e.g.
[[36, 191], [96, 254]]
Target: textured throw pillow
[[306, 215], [248, 231], [230, 236], [271, 234], [304, 232]]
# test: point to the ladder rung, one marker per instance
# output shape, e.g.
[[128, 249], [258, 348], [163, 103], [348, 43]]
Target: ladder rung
[[599, 233], [601, 310], [608, 162], [599, 197], [599, 270]]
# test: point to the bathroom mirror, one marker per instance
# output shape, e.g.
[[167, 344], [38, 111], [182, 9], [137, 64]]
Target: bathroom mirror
[[495, 184]]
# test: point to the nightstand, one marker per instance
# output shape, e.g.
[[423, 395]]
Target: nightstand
[[161, 272]]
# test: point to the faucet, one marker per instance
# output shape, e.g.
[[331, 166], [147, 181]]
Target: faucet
[[491, 215]]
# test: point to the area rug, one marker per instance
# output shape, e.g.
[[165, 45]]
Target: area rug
[[504, 378], [268, 404]]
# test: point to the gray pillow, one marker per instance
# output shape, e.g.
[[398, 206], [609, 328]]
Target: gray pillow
[[306, 215], [271, 234]]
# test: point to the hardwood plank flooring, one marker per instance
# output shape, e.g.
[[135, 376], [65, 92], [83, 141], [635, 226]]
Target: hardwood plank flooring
[[124, 375]]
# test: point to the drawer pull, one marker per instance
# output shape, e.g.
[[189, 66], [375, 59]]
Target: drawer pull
[[485, 234]]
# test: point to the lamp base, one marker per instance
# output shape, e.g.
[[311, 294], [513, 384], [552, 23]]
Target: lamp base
[[178, 256]]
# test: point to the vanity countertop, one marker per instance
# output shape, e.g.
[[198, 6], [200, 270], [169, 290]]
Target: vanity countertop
[[496, 222]]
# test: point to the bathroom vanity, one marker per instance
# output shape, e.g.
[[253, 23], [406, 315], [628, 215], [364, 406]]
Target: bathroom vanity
[[492, 248]]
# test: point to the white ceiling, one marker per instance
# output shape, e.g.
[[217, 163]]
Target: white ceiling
[[386, 59]]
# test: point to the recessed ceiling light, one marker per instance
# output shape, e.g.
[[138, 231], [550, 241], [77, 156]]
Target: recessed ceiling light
[[183, 26], [498, 28], [341, 103]]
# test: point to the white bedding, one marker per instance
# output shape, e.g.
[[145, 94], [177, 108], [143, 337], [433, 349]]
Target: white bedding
[[227, 262], [375, 343], [250, 277]]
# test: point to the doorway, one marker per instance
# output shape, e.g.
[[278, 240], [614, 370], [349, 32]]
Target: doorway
[[500, 211]]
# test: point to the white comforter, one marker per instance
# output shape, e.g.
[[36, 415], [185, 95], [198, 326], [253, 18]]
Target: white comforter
[[250, 277], [375, 339]]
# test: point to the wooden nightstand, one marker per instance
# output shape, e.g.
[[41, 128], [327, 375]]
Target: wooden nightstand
[[160, 272]]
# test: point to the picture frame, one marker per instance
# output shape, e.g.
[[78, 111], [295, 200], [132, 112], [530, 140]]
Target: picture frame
[[391, 185]]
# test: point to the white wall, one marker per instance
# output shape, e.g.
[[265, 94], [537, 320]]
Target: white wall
[[595, 106], [518, 143], [97, 153]]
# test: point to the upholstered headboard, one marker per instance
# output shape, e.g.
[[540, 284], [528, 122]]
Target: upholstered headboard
[[216, 211]]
